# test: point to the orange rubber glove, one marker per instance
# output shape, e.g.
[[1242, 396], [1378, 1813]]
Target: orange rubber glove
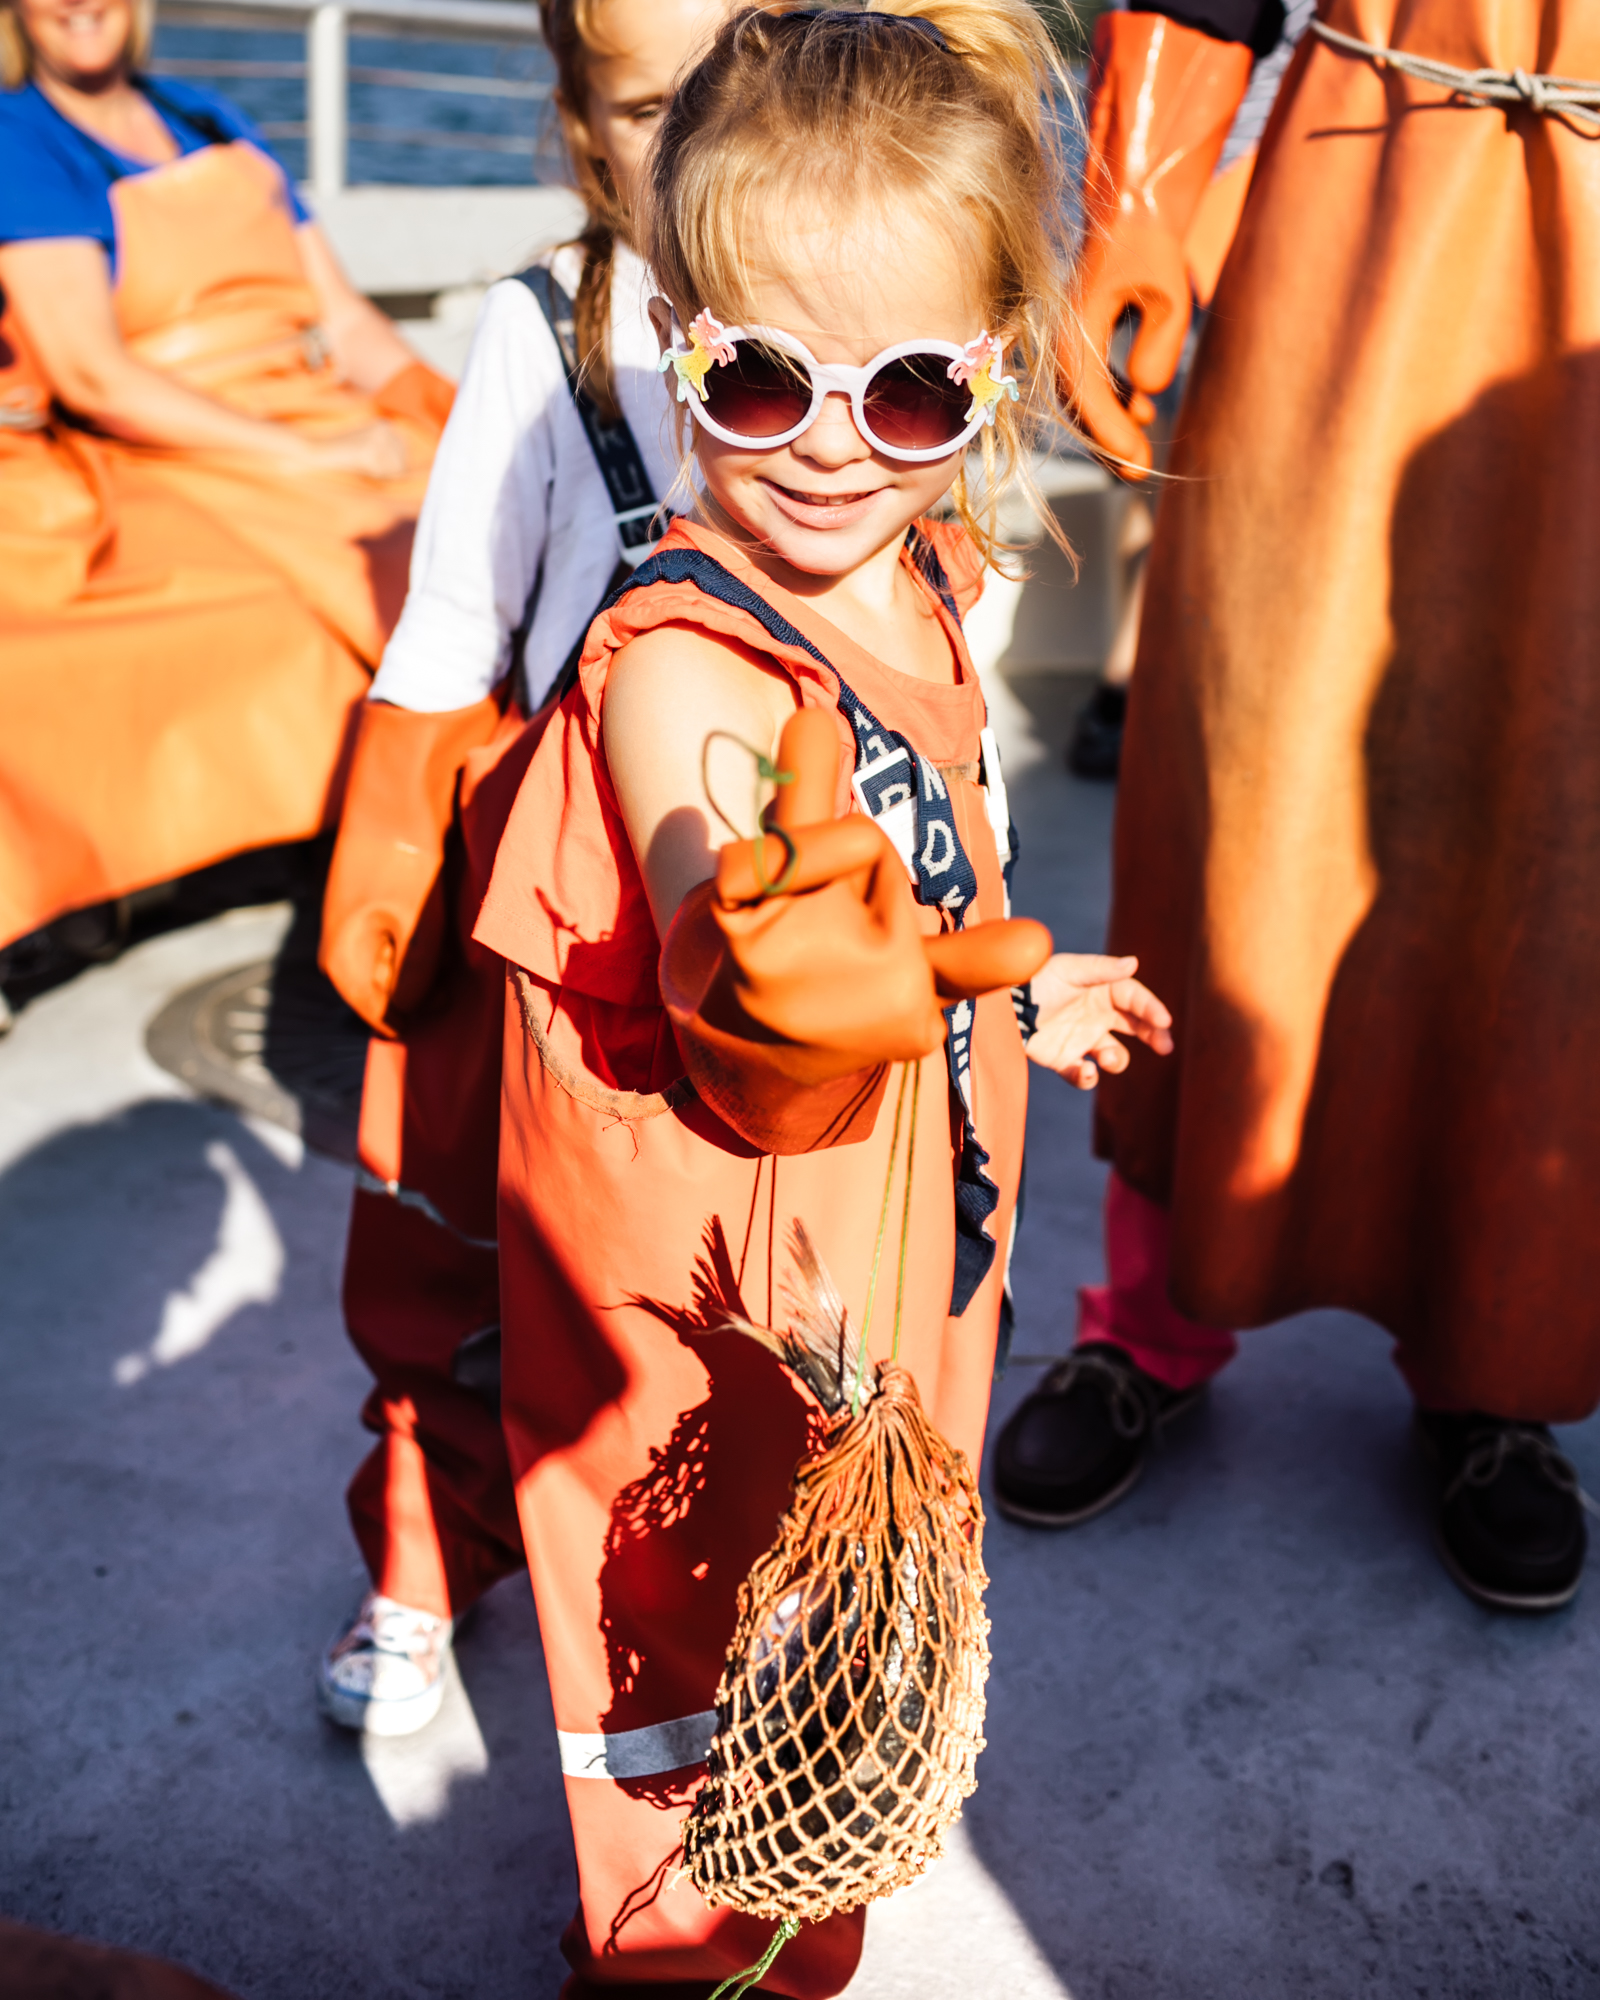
[[419, 392], [1162, 97], [383, 913], [789, 1008]]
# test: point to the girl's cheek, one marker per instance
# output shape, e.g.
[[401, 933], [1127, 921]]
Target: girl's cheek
[[726, 472]]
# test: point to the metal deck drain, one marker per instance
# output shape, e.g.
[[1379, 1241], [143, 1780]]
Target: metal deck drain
[[273, 1039]]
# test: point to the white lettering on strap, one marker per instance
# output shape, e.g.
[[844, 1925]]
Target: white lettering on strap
[[939, 849], [637, 1753]]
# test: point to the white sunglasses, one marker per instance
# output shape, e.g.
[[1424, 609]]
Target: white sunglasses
[[757, 387]]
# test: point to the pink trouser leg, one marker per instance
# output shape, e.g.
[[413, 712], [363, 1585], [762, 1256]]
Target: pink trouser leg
[[1132, 1309]]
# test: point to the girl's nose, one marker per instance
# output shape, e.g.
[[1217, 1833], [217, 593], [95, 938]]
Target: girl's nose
[[833, 439]]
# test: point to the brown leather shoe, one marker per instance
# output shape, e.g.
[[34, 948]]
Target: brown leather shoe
[[1081, 1440], [1510, 1527]]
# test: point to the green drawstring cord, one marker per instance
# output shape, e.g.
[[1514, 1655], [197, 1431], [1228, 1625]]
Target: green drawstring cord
[[877, 1253], [741, 1982], [767, 773], [905, 1218]]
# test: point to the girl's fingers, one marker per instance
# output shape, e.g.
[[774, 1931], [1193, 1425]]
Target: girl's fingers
[[1154, 1034], [1084, 968], [1135, 1000]]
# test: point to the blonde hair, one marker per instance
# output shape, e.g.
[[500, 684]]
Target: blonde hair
[[962, 123], [571, 36], [16, 51]]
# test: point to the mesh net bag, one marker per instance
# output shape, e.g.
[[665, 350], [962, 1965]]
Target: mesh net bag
[[850, 1709]]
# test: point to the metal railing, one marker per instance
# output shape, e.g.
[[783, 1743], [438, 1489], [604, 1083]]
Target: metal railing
[[328, 72]]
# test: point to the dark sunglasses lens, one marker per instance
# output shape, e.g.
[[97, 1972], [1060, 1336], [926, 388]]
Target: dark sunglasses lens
[[912, 405], [761, 393]]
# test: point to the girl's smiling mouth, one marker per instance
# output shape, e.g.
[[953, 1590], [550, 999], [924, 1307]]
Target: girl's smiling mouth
[[834, 509]]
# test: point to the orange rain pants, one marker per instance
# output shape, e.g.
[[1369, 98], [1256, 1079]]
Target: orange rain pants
[[652, 1452], [432, 1505], [184, 635]]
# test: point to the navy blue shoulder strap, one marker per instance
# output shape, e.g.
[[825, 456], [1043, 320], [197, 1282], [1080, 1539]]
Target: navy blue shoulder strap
[[616, 452], [926, 558], [709, 576]]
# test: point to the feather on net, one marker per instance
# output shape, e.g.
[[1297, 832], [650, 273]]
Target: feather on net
[[850, 1709]]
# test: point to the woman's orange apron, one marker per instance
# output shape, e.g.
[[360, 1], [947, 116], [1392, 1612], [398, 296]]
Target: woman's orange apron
[[653, 1453], [1358, 838], [183, 635], [211, 290]]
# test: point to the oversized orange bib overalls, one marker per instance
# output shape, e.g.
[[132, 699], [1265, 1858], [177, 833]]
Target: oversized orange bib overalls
[[184, 634], [652, 1452], [1358, 834]]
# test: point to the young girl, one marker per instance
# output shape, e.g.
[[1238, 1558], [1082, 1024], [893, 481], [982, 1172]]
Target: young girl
[[518, 541], [852, 224]]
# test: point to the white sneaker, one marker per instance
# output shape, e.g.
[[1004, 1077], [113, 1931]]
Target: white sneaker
[[384, 1673]]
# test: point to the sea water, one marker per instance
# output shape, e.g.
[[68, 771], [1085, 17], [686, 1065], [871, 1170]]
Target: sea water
[[433, 136]]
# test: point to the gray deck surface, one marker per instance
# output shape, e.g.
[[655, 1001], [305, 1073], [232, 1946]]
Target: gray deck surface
[[1244, 1737]]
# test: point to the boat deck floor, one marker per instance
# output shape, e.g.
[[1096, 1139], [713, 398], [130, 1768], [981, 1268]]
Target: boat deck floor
[[1245, 1739]]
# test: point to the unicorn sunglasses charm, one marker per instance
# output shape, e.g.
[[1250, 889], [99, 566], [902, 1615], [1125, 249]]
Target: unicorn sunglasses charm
[[979, 370], [708, 346]]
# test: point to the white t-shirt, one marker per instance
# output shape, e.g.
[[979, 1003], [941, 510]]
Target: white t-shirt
[[515, 487]]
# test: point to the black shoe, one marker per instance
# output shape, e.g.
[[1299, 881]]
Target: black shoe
[[1510, 1527], [1080, 1441], [1095, 750]]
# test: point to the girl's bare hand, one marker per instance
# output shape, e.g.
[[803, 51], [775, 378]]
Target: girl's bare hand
[[1085, 1001], [376, 451]]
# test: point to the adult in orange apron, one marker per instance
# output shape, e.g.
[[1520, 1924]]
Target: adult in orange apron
[[1357, 842], [184, 634], [653, 1453]]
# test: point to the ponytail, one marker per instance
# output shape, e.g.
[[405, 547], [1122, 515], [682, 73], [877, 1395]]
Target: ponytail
[[568, 34]]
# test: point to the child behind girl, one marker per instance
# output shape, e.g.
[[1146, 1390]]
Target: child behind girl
[[516, 546], [852, 219]]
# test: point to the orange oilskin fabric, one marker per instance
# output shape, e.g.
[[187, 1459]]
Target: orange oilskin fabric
[[211, 290], [653, 1452], [1358, 832], [432, 1505], [184, 636]]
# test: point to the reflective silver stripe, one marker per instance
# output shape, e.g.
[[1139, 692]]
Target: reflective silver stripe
[[368, 1183], [638, 1753]]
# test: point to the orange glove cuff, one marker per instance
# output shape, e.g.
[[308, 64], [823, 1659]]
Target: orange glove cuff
[[383, 913], [418, 392], [779, 1097], [1162, 97]]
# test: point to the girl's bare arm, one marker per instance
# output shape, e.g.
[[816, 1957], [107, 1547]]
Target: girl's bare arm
[[668, 690]]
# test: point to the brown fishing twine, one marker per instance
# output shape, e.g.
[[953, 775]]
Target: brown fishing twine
[[850, 1708]]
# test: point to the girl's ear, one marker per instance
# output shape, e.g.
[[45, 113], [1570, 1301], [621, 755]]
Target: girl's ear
[[661, 319]]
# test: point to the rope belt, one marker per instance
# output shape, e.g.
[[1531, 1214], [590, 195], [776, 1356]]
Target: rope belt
[[1573, 99]]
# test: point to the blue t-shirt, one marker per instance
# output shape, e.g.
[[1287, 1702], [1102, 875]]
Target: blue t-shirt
[[55, 180]]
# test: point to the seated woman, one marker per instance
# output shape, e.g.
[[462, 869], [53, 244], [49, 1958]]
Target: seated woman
[[212, 455]]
